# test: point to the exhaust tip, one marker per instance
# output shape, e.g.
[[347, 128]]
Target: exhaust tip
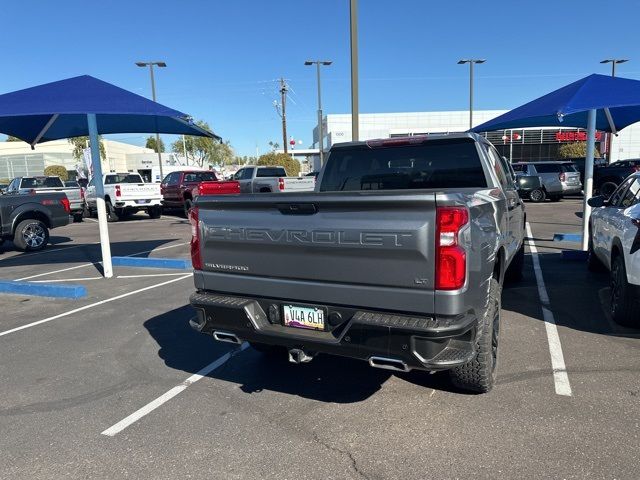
[[297, 355], [388, 364], [226, 337]]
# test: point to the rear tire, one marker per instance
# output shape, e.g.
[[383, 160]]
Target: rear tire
[[112, 216], [538, 195], [479, 374], [31, 235], [625, 307], [78, 217], [154, 212], [187, 207]]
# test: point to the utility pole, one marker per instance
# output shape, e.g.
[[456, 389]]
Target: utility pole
[[318, 63], [353, 22], [471, 62], [283, 100], [153, 95], [613, 62]]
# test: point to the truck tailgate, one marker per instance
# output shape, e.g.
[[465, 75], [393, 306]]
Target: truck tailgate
[[340, 239], [135, 191], [302, 184]]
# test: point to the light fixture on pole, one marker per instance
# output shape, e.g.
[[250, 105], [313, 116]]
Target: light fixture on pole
[[153, 97], [471, 62], [318, 63], [613, 62]]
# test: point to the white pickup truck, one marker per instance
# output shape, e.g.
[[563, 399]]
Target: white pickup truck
[[124, 194], [262, 179]]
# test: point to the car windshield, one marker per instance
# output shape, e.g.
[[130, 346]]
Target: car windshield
[[433, 164], [271, 172], [41, 182], [122, 178]]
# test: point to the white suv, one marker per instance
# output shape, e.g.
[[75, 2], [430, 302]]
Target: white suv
[[615, 243]]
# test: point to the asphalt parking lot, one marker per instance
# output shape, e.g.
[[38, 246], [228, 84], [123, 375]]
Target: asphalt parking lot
[[117, 384]]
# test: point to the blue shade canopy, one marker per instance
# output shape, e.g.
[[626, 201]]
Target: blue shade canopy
[[59, 110], [569, 106]]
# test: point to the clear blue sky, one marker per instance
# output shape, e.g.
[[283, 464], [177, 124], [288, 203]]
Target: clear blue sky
[[223, 56]]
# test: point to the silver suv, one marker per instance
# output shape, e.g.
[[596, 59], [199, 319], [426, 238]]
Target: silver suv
[[558, 179]]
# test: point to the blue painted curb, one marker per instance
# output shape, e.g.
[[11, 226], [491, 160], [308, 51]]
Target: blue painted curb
[[567, 237], [145, 262], [43, 289], [574, 255]]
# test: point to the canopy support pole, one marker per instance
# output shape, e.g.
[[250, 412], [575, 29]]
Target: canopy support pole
[[53, 118], [105, 246], [588, 177]]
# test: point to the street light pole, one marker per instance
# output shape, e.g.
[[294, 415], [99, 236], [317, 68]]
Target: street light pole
[[153, 97], [355, 129], [613, 62], [318, 63], [471, 62]]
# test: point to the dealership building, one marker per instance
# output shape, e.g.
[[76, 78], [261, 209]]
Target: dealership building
[[517, 144]]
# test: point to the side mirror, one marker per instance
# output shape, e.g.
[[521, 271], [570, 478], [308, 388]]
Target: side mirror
[[597, 202]]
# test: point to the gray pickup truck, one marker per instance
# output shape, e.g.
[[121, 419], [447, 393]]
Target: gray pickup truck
[[27, 218], [47, 184], [263, 179], [398, 258]]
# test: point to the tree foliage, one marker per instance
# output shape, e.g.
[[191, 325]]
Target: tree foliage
[[151, 143], [245, 160], [12, 139], [80, 143], [202, 151], [575, 150], [57, 171], [291, 165]]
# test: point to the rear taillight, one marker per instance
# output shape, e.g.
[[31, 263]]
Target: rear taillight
[[281, 184], [118, 191], [562, 177], [196, 256], [66, 205], [451, 258]]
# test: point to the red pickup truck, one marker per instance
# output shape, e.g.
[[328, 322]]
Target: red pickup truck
[[180, 188]]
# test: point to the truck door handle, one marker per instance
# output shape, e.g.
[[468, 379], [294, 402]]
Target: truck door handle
[[297, 208]]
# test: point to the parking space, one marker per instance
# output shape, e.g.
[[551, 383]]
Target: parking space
[[209, 409]]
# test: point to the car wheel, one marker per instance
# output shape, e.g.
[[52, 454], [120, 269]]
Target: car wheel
[[31, 235], [154, 212], [538, 195], [625, 307], [112, 216], [607, 189], [78, 217], [514, 272], [479, 374]]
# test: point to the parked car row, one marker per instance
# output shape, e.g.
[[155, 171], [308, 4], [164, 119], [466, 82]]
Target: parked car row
[[556, 179]]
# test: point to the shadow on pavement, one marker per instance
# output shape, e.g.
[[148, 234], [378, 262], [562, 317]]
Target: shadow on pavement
[[77, 253], [327, 378]]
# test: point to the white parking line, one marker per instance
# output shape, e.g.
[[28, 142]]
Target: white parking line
[[152, 275], [96, 263], [91, 305], [560, 376], [165, 397]]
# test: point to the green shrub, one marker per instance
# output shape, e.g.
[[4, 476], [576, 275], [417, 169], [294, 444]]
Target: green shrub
[[57, 171], [273, 159]]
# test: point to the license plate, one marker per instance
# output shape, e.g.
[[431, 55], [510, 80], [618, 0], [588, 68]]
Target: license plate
[[142, 201], [303, 317]]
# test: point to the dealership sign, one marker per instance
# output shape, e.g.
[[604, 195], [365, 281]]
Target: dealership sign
[[575, 136]]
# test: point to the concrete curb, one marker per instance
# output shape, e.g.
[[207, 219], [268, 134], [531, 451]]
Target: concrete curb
[[148, 262], [43, 289]]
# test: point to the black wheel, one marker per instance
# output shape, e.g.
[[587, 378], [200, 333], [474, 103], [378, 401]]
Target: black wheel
[[78, 217], [479, 374], [607, 189], [555, 198], [269, 350], [537, 196], [514, 272], [154, 212], [31, 235], [593, 263], [112, 216], [187, 207], [625, 307]]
